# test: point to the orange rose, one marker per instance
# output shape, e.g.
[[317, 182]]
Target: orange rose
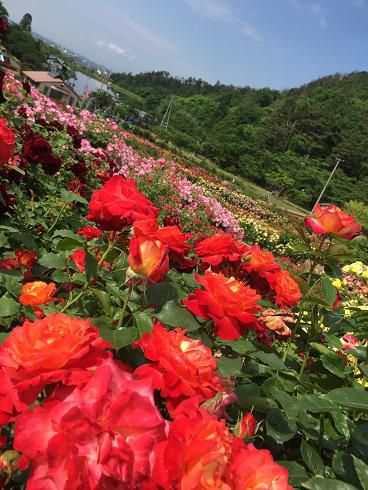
[[334, 220], [37, 293], [148, 257], [56, 342], [286, 289]]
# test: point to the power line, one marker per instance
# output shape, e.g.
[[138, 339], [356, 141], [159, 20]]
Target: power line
[[166, 118], [338, 160]]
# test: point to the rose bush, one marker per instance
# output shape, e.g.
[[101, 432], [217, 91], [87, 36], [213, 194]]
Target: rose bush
[[155, 347]]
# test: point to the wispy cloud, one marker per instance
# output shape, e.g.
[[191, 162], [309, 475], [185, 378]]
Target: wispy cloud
[[318, 10], [219, 11]]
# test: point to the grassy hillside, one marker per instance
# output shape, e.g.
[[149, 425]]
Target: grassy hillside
[[285, 141]]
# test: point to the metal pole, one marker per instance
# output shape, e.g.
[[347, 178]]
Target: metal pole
[[338, 160]]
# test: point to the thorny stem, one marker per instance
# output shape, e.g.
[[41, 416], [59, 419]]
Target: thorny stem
[[57, 217]]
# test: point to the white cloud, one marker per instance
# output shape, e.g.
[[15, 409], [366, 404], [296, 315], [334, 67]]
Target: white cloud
[[320, 12], [219, 11], [113, 47]]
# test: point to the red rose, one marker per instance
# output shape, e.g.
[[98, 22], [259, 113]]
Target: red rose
[[3, 26], [36, 149], [79, 259], [7, 142], [260, 261], [119, 203], [26, 258], [181, 367], [90, 232], [228, 302], [101, 435], [218, 248], [50, 349], [334, 220], [286, 289]]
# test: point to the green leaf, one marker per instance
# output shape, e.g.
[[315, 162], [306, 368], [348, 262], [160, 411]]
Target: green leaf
[[341, 423], [356, 399], [161, 293], [69, 244], [270, 359], [230, 366], [104, 299], [334, 363], [297, 473], [173, 315], [362, 471], [316, 403], [143, 322], [90, 266], [3, 336], [280, 427], [118, 338], [242, 346], [53, 261], [333, 340], [327, 484], [359, 441], [68, 196], [328, 290], [322, 349], [26, 239], [312, 459], [8, 307], [343, 467]]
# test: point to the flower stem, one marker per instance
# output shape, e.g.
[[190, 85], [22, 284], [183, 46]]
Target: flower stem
[[57, 217], [125, 304], [69, 303], [104, 255]]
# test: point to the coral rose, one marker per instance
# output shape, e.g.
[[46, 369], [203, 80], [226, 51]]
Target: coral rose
[[286, 289], [37, 293], [228, 302], [334, 220], [119, 203], [99, 436], [50, 349], [195, 455], [254, 469], [218, 248], [181, 367], [7, 142]]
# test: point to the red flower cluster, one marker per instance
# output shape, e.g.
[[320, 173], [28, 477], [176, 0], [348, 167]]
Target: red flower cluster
[[118, 204], [90, 232], [228, 302], [181, 367], [7, 140]]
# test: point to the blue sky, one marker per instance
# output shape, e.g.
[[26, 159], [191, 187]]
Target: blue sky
[[275, 43]]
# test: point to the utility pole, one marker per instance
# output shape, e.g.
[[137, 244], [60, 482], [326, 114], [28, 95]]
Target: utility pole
[[166, 118], [338, 160]]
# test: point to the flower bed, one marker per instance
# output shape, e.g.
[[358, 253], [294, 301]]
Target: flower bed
[[144, 345]]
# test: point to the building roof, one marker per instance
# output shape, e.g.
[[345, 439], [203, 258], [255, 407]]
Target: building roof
[[42, 77]]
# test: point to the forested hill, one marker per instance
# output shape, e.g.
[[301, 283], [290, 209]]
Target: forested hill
[[285, 140]]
